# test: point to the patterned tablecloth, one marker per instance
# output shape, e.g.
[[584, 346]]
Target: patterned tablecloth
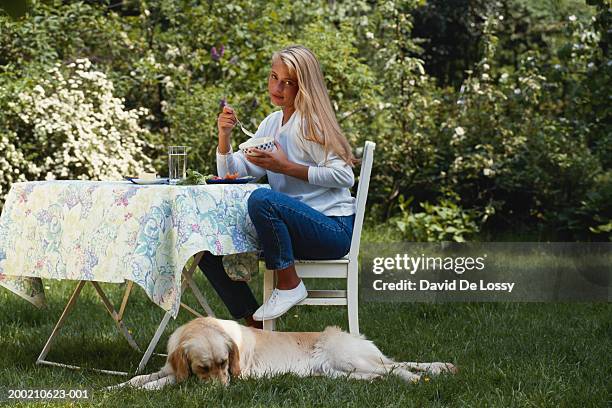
[[113, 231]]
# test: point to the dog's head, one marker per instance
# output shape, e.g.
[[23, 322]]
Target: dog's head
[[206, 351]]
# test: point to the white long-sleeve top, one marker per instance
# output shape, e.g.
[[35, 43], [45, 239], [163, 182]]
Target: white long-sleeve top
[[329, 179]]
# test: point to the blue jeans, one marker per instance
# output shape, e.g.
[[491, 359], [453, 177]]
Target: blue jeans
[[287, 229]]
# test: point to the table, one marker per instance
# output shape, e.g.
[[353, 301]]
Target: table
[[115, 232]]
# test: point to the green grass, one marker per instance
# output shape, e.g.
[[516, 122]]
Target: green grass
[[508, 354]]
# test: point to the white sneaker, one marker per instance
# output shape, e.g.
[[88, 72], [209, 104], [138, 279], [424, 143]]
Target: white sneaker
[[279, 302]]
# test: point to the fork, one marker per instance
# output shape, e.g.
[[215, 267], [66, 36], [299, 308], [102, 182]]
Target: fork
[[246, 132]]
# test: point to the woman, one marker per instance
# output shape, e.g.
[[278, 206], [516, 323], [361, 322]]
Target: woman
[[308, 213]]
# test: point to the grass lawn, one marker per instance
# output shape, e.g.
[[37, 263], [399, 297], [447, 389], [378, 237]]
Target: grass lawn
[[508, 354]]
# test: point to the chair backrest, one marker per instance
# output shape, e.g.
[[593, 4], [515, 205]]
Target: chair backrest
[[362, 196]]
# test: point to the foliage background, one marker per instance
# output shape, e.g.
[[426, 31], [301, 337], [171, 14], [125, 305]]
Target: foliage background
[[492, 121], [489, 117]]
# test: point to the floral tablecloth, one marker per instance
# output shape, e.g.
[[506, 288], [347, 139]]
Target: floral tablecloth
[[113, 231]]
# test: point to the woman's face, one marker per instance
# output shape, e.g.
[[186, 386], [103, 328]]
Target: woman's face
[[282, 86]]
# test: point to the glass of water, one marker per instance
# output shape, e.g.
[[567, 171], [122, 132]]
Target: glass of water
[[177, 163]]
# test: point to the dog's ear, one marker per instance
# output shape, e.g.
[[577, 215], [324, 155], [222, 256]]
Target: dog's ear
[[180, 364], [234, 359]]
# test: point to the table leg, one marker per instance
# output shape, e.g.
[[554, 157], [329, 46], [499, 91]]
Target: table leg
[[153, 343], [187, 281], [60, 322], [118, 318], [115, 316], [192, 311], [199, 296], [126, 295], [188, 276], [158, 333], [73, 367], [67, 309]]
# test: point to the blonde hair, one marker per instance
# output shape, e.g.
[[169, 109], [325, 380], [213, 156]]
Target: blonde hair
[[319, 122]]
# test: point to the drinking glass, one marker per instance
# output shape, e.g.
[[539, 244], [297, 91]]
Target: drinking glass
[[177, 163]]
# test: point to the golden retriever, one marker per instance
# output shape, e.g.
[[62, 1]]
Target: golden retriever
[[214, 349]]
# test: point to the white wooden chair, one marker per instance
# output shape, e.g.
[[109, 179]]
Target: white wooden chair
[[343, 268]]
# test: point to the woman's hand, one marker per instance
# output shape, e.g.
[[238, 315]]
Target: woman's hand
[[277, 162], [225, 123]]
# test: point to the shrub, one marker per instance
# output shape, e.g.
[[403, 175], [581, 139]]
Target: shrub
[[66, 123], [526, 137], [445, 221]]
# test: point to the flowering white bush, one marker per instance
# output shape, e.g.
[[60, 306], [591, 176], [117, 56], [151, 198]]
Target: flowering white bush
[[72, 127], [12, 164]]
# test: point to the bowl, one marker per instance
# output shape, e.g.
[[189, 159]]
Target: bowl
[[261, 143]]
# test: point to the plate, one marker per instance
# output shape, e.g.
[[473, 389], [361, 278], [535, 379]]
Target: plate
[[240, 180], [144, 182]]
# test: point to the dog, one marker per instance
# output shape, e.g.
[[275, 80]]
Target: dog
[[214, 349]]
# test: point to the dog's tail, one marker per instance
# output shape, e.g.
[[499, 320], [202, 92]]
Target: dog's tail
[[349, 353]]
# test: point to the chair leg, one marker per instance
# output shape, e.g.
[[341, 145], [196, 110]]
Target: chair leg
[[268, 287], [352, 302]]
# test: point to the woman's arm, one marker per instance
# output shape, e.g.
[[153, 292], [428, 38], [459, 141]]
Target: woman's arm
[[333, 172], [330, 169]]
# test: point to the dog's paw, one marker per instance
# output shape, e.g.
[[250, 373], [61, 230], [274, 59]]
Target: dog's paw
[[439, 368]]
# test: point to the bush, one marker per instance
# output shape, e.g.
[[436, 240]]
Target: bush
[[445, 221], [66, 123], [517, 143], [525, 137]]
